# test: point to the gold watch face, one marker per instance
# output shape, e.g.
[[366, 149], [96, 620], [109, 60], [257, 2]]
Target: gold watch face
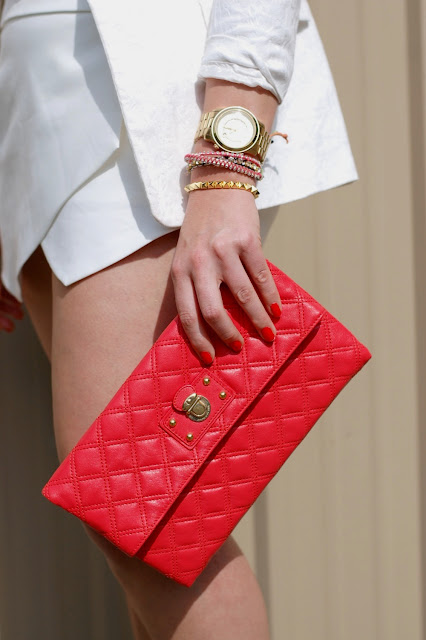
[[235, 129]]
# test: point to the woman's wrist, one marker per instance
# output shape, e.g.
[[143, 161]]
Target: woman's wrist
[[221, 93]]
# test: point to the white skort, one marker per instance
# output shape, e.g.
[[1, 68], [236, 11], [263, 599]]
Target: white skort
[[64, 148]]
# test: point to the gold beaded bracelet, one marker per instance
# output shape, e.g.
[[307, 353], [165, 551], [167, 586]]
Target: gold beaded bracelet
[[222, 185]]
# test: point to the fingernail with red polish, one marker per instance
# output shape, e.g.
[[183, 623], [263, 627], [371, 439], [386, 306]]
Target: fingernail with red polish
[[236, 345], [6, 325], [275, 309], [206, 356], [267, 333]]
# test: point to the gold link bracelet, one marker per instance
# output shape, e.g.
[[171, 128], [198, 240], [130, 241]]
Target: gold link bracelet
[[222, 185]]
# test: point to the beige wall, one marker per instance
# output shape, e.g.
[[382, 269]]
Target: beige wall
[[337, 538], [345, 513]]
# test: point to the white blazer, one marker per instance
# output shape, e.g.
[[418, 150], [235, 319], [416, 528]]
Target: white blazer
[[159, 55]]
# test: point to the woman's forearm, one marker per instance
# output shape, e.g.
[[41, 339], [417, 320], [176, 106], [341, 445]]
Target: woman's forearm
[[220, 93]]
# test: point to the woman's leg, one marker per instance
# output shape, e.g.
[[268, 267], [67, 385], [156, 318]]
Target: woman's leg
[[139, 631], [102, 326], [36, 282]]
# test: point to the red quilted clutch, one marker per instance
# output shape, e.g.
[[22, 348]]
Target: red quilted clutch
[[183, 449]]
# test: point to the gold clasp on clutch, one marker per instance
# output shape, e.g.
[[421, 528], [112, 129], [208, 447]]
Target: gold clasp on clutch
[[197, 407]]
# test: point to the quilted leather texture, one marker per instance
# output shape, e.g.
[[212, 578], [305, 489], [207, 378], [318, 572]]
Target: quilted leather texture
[[172, 500]]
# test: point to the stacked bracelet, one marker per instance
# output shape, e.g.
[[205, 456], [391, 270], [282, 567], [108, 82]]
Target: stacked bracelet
[[228, 154], [232, 160], [194, 186], [238, 162]]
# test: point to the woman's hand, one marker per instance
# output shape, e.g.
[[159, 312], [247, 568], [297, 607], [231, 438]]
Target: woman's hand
[[9, 306], [219, 242]]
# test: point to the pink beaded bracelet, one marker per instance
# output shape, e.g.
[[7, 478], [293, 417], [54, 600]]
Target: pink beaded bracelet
[[232, 160], [228, 154], [203, 158]]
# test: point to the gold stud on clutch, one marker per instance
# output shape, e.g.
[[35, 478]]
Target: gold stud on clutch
[[172, 422], [206, 381], [222, 395], [189, 436]]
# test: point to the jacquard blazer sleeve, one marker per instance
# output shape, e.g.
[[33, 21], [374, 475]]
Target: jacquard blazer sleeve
[[252, 43]]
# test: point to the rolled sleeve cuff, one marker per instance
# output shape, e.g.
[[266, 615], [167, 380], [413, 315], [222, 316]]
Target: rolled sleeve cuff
[[253, 45], [233, 72]]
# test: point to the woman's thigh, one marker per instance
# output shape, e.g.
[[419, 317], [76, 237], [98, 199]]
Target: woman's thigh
[[102, 326]]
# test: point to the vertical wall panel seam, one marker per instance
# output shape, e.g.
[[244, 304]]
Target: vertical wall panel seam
[[370, 241], [416, 51]]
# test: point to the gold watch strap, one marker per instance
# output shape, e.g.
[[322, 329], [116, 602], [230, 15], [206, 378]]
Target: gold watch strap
[[263, 143], [205, 124]]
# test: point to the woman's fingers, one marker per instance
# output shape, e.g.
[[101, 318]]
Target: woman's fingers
[[6, 295], [198, 298], [6, 323], [189, 315], [244, 292], [9, 306]]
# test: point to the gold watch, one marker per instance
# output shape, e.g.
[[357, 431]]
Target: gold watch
[[234, 129]]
